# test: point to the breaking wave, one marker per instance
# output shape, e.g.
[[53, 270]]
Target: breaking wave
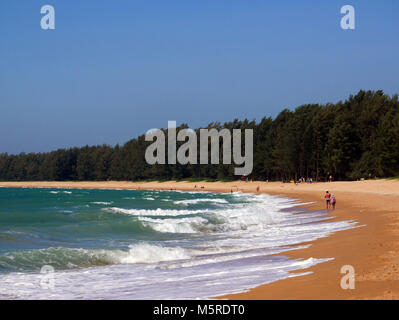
[[71, 258]]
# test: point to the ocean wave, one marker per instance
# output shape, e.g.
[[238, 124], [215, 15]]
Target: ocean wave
[[186, 191], [72, 258], [59, 258], [57, 192], [196, 201], [183, 225], [146, 253], [105, 203], [259, 214], [153, 212]]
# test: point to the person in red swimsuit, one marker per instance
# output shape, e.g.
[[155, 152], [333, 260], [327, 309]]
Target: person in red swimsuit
[[327, 196]]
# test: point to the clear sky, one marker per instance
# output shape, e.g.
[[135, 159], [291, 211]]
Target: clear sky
[[111, 70]]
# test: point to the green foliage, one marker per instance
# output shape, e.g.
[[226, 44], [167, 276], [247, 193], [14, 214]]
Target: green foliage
[[357, 138]]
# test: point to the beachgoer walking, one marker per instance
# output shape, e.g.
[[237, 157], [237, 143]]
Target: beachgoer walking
[[327, 196]]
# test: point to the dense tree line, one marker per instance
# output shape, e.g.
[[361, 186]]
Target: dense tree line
[[350, 140]]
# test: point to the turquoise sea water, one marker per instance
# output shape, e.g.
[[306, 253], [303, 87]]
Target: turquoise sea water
[[127, 244]]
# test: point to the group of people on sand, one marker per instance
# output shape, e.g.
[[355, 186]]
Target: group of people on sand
[[310, 180], [330, 200], [303, 180]]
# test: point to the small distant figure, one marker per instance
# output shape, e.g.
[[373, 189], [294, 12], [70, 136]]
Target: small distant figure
[[333, 201], [257, 189], [327, 197], [330, 178]]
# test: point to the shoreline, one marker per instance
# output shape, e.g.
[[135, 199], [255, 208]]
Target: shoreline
[[370, 249]]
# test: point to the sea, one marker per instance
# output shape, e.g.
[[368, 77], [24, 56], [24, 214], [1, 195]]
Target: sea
[[135, 244]]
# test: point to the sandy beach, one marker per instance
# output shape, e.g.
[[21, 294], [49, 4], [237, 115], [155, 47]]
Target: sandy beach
[[371, 248]]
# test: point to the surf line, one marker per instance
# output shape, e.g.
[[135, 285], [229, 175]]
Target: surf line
[[187, 152]]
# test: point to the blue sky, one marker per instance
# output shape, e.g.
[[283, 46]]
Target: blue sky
[[111, 70]]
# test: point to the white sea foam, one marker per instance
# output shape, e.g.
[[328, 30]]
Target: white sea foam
[[195, 201], [155, 212], [260, 214], [186, 192], [57, 192], [182, 225], [136, 281], [146, 253], [105, 203]]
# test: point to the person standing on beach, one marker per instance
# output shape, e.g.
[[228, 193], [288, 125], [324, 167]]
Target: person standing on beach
[[333, 201], [327, 196]]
